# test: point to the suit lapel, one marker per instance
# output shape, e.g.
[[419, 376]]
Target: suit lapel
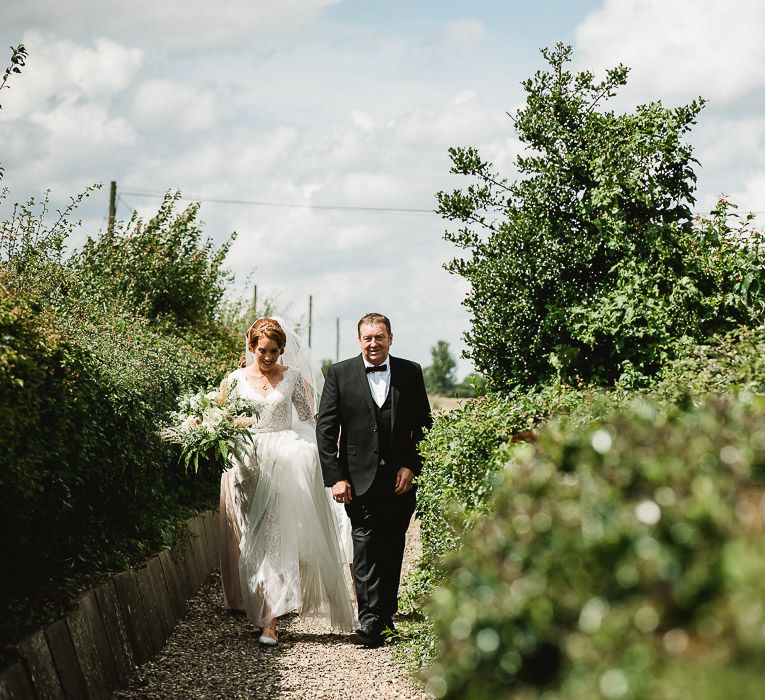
[[395, 391], [363, 385]]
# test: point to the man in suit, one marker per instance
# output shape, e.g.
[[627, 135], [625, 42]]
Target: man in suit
[[378, 408]]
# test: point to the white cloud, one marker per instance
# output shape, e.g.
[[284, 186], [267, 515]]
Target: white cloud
[[363, 121], [170, 104], [179, 23], [463, 33], [103, 70], [63, 126], [61, 70], [729, 141], [752, 196], [464, 120], [262, 152], [680, 49]]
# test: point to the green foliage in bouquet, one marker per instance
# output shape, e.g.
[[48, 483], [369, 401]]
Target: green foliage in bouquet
[[210, 426], [616, 553]]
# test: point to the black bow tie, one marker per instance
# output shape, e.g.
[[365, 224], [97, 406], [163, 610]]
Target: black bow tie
[[377, 368]]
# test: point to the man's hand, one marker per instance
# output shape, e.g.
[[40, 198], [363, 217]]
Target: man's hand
[[341, 492], [404, 478]]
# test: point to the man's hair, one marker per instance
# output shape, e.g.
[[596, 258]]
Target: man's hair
[[375, 318]]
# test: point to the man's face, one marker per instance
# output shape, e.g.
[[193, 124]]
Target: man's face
[[375, 342]]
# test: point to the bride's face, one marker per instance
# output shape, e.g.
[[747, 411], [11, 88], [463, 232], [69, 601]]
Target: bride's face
[[267, 353]]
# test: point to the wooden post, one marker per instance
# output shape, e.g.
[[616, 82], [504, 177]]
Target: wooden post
[[310, 318], [112, 207]]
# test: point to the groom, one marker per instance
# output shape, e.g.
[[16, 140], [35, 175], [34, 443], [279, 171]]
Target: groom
[[378, 408]]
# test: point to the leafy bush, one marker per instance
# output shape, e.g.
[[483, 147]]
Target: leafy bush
[[32, 249], [163, 268], [458, 452], [85, 382], [590, 266], [80, 400], [462, 450], [472, 385], [733, 360], [611, 551]]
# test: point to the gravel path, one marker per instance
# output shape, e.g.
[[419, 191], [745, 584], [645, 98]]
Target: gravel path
[[215, 654]]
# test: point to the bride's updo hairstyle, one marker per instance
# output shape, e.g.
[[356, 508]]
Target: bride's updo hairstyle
[[264, 328]]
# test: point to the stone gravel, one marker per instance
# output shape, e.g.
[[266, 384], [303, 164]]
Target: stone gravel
[[213, 653]]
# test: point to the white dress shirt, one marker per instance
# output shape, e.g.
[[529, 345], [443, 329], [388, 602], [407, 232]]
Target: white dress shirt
[[378, 381]]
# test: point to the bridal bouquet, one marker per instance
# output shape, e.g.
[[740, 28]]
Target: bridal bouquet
[[211, 425]]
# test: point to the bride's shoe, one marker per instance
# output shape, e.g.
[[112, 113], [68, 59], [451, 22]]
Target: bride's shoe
[[268, 634]]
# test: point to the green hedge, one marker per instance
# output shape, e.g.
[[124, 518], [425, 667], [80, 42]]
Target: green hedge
[[459, 452], [460, 469], [84, 478], [612, 550], [462, 451], [94, 349]]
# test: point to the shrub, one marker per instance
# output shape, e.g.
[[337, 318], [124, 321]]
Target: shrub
[[85, 382], [162, 268], [590, 266], [80, 400], [461, 451], [611, 551]]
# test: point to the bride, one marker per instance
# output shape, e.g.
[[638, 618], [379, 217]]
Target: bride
[[281, 545]]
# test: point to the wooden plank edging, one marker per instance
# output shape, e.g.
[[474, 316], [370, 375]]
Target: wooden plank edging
[[115, 626]]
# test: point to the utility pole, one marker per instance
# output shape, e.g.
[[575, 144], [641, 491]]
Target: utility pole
[[337, 339], [112, 207], [310, 318]]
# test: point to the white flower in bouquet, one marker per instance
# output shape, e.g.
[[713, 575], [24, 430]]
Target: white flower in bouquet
[[189, 423], [213, 416], [210, 426]]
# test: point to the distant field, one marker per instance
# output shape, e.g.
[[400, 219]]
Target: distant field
[[442, 404]]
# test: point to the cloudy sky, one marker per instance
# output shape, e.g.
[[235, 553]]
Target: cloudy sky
[[337, 109]]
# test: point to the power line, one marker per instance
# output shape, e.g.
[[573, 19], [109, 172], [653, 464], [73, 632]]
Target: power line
[[286, 205], [321, 207], [121, 200]]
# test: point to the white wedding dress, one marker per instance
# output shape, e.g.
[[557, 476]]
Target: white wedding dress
[[291, 556]]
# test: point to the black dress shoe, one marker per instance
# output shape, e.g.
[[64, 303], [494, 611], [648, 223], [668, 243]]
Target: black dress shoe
[[367, 635], [388, 628]]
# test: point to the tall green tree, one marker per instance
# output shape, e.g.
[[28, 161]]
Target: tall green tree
[[589, 265], [440, 377]]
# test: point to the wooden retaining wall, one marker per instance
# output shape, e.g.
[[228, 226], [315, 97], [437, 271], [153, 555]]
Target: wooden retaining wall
[[114, 627]]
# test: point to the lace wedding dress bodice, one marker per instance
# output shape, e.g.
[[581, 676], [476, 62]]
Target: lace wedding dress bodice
[[275, 407]]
